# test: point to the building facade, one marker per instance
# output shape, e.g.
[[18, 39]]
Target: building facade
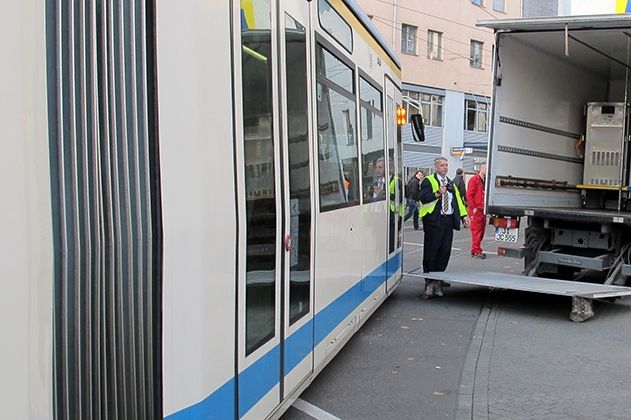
[[447, 72], [591, 7], [545, 8], [541, 8]]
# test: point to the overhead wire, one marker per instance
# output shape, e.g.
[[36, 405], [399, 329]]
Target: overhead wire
[[391, 24], [434, 16], [484, 10], [458, 55]]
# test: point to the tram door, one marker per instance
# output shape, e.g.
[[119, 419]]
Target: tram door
[[395, 226], [275, 286], [298, 240]]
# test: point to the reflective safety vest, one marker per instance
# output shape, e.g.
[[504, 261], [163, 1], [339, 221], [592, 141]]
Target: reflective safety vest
[[425, 209], [393, 205]]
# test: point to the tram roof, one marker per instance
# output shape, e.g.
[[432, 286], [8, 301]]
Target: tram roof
[[365, 20]]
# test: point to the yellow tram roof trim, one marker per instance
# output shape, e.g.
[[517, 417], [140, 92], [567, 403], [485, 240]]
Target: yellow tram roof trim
[[351, 12]]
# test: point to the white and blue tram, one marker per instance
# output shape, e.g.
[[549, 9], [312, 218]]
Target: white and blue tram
[[196, 204]]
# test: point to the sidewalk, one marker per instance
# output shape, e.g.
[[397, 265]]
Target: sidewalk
[[528, 361]]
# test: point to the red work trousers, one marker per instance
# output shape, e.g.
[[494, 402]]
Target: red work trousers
[[478, 224]]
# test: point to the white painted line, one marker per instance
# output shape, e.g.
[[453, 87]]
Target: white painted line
[[421, 245], [315, 412], [412, 243]]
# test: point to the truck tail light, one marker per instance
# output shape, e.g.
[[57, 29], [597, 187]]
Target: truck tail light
[[505, 222]]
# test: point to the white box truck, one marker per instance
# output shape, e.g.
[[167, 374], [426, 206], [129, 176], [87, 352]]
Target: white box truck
[[558, 157]]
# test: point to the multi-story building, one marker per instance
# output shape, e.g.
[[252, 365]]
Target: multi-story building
[[541, 8], [446, 69], [545, 8]]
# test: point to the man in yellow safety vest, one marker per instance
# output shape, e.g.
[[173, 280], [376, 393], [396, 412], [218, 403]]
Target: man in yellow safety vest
[[396, 204], [442, 210]]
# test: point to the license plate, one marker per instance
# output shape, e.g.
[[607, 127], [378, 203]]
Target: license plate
[[506, 234]]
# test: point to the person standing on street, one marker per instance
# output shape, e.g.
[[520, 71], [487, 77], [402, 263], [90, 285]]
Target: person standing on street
[[395, 188], [442, 211], [475, 201], [459, 182], [413, 195]]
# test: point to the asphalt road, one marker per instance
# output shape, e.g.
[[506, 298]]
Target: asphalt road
[[477, 353]]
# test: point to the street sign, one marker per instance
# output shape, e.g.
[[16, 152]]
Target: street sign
[[457, 151]]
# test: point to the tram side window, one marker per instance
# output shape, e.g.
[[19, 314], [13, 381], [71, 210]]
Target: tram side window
[[335, 25], [299, 168], [375, 180], [337, 143], [260, 194]]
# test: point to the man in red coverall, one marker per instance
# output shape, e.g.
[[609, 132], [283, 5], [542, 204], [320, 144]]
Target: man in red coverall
[[475, 202]]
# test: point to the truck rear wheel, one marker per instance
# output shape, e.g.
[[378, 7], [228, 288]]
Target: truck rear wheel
[[537, 239]]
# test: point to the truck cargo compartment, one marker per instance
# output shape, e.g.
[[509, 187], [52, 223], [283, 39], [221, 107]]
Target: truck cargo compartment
[[559, 123]]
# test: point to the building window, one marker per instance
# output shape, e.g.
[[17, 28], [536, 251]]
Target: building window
[[475, 59], [477, 116], [430, 106], [499, 5], [408, 39], [411, 102], [434, 45], [478, 2]]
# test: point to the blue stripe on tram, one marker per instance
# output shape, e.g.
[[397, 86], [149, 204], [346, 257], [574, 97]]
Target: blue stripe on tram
[[258, 379], [217, 406]]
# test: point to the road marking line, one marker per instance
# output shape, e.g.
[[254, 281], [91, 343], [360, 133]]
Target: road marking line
[[315, 412], [421, 245]]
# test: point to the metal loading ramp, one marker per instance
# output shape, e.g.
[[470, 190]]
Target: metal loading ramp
[[581, 293]]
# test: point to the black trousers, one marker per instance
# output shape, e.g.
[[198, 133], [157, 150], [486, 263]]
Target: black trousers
[[393, 237], [437, 244]]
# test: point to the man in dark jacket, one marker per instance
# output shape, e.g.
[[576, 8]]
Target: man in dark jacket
[[413, 195], [442, 212], [459, 182]]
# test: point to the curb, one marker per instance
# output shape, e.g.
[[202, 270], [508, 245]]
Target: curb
[[473, 397]]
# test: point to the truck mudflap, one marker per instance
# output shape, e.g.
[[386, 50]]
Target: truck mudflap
[[582, 294]]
